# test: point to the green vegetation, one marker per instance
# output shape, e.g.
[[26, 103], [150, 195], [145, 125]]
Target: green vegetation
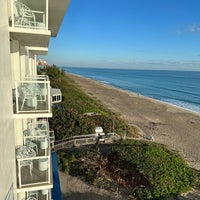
[[75, 163], [159, 171], [69, 116], [147, 170]]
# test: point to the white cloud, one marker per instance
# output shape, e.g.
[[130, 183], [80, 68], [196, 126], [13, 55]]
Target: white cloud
[[191, 28], [194, 28]]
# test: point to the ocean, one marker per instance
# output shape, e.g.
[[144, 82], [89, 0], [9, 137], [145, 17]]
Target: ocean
[[179, 88]]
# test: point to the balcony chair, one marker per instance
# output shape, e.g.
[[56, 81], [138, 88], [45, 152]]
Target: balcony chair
[[32, 195], [31, 144], [23, 152], [29, 92], [23, 16], [31, 198], [42, 126], [29, 163]]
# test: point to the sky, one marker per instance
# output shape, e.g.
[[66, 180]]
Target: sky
[[138, 34]]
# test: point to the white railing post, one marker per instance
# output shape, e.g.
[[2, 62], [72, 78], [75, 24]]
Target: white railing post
[[16, 96], [49, 170], [19, 173], [47, 15]]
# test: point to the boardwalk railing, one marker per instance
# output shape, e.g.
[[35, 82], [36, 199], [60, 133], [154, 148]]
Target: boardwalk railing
[[80, 140], [192, 158], [75, 141]]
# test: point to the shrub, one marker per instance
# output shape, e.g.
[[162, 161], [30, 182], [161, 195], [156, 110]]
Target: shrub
[[76, 165], [164, 172]]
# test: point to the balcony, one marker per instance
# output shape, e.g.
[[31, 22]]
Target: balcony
[[28, 22], [32, 96], [29, 14], [33, 159], [43, 194], [33, 171]]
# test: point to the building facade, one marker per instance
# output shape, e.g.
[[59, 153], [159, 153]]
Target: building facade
[[26, 27]]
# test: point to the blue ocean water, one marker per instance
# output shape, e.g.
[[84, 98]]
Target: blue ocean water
[[180, 88]]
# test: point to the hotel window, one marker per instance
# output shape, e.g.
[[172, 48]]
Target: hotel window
[[53, 98], [58, 98]]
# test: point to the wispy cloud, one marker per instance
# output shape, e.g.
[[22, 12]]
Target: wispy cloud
[[194, 28], [191, 28]]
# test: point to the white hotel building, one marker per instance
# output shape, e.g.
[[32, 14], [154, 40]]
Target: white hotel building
[[25, 154]]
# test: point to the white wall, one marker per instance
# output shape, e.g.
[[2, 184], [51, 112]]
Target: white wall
[[7, 147], [15, 61]]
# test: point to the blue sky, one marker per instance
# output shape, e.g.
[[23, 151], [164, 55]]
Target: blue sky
[[141, 34]]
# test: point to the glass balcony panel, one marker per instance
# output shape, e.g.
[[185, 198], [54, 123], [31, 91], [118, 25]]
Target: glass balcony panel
[[34, 170], [33, 158], [32, 95], [44, 194], [38, 139], [39, 143], [29, 14], [42, 125], [38, 194]]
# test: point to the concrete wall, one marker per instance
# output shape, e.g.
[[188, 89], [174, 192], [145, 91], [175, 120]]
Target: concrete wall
[[7, 147]]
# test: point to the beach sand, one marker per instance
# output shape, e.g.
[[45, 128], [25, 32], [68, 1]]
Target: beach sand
[[177, 128]]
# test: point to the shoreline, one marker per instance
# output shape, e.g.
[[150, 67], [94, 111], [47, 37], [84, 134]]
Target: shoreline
[[136, 94], [170, 125]]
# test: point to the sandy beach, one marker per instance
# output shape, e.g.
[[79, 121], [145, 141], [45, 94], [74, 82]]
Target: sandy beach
[[175, 127], [169, 125]]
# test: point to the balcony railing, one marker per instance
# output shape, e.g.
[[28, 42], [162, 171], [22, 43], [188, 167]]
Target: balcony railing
[[32, 95], [33, 171], [41, 124], [44, 194], [33, 157], [29, 14]]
